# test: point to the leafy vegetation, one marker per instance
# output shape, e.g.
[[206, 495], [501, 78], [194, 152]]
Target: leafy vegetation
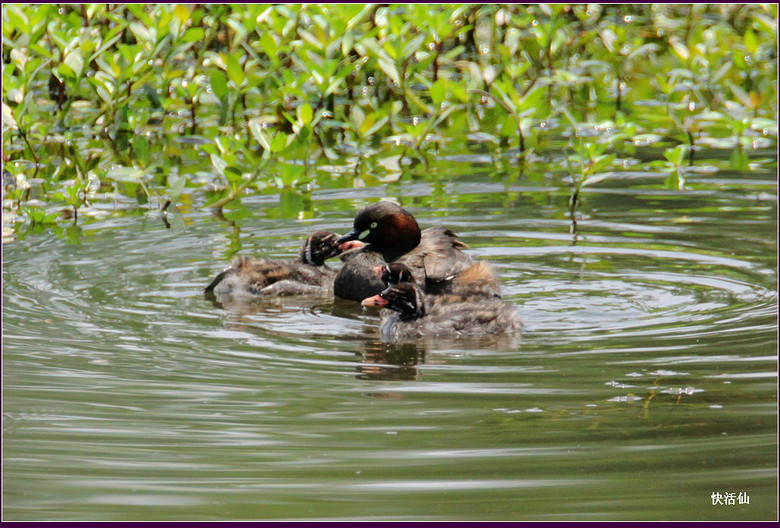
[[137, 105]]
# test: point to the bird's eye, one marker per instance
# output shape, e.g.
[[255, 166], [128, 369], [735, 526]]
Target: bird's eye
[[373, 225]]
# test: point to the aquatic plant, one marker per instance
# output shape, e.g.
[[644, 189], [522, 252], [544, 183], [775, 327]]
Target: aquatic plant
[[140, 104]]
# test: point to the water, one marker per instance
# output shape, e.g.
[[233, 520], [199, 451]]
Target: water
[[645, 381]]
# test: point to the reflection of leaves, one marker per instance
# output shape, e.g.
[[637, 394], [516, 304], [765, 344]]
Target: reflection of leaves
[[38, 216], [677, 155], [125, 174], [177, 187]]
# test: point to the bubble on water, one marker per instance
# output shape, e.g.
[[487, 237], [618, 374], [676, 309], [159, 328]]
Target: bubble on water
[[431, 46], [692, 106], [370, 81], [184, 84], [748, 59], [627, 19], [534, 22], [415, 120]]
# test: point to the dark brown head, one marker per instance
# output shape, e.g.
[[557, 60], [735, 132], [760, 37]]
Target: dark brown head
[[391, 230], [319, 247], [392, 274], [405, 298]]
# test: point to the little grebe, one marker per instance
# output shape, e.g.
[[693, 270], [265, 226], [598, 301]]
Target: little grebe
[[391, 234], [478, 280], [250, 277], [415, 314]]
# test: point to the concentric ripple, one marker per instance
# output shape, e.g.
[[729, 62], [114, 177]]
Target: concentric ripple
[[647, 365]]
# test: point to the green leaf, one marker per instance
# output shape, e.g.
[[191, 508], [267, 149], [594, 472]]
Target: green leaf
[[141, 148], [235, 70], [260, 134], [390, 69], [509, 126], [219, 83], [305, 113], [439, 91], [219, 164], [311, 39], [413, 45], [677, 154], [279, 142], [194, 34], [8, 118], [347, 41], [269, 47], [37, 215], [739, 160], [233, 175], [75, 62], [142, 33], [751, 44]]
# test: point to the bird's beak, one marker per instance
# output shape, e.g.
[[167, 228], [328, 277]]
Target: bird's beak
[[376, 300]]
